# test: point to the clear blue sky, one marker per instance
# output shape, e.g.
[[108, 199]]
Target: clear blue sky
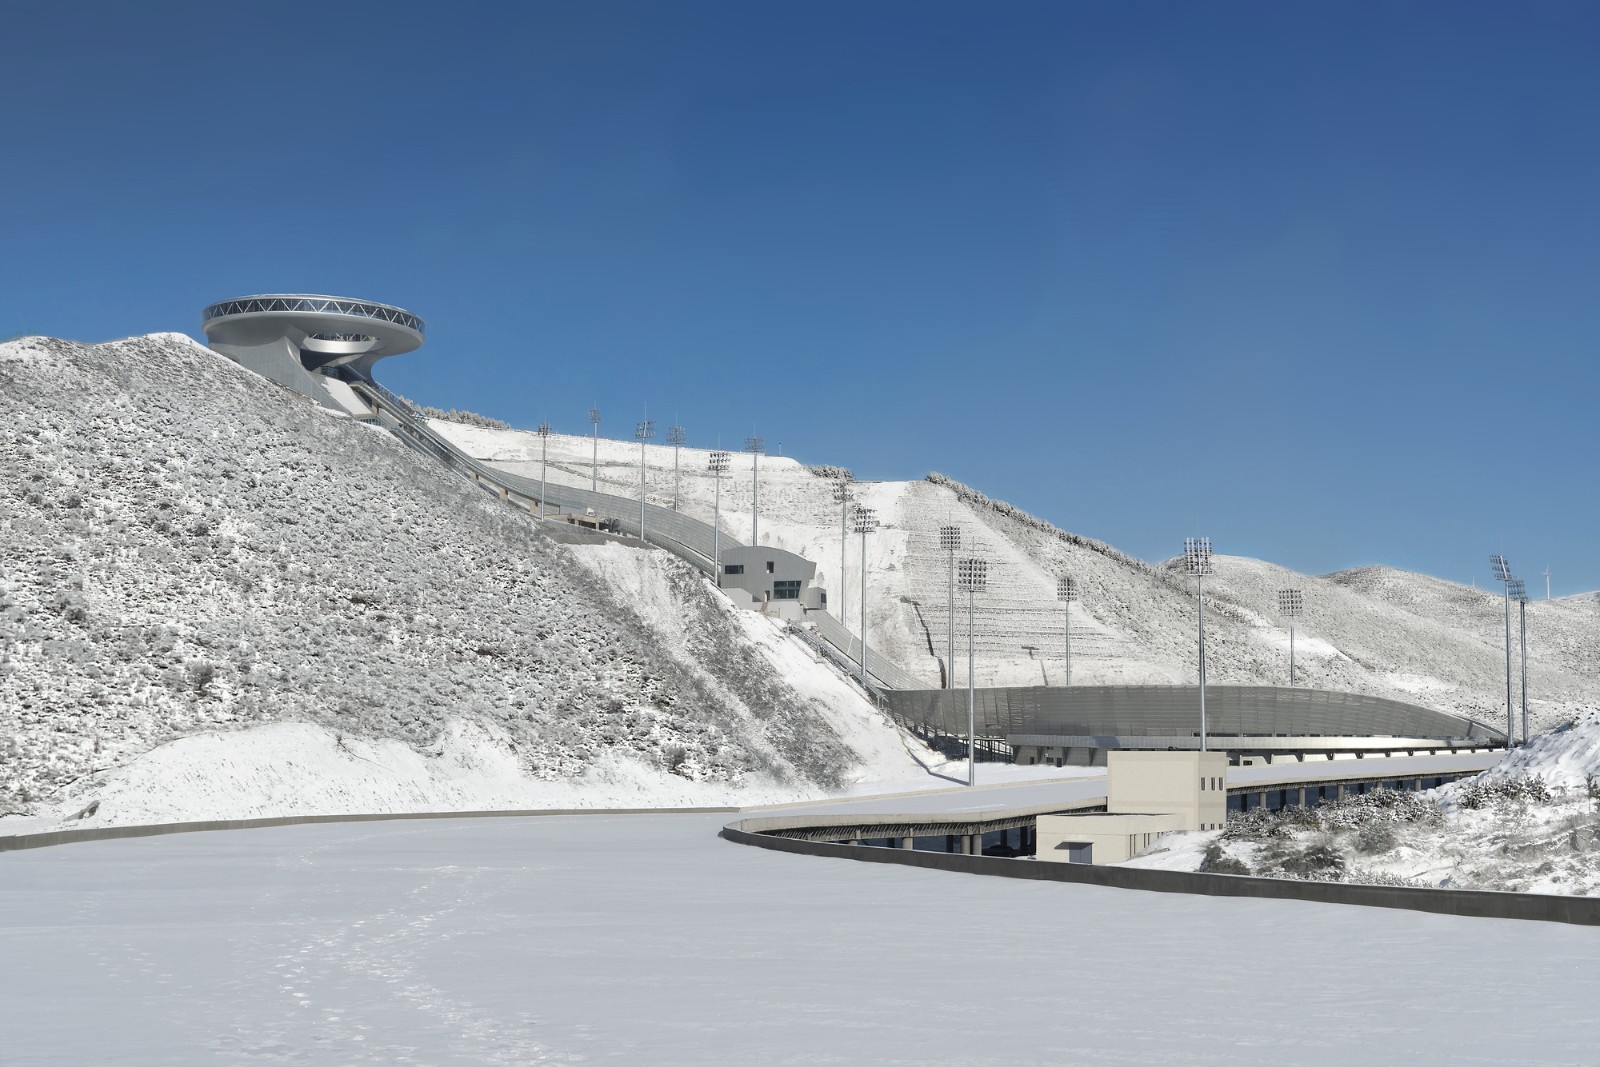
[[1318, 280]]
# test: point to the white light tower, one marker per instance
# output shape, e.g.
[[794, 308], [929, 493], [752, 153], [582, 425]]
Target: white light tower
[[643, 432], [974, 576], [1067, 592], [843, 497], [950, 542], [755, 446], [677, 437], [1547, 581], [1197, 561], [718, 466], [594, 451], [1502, 574], [866, 522], [544, 432], [1519, 593], [1290, 604]]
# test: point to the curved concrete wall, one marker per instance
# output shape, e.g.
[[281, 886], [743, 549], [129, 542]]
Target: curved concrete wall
[[1167, 711], [1584, 911]]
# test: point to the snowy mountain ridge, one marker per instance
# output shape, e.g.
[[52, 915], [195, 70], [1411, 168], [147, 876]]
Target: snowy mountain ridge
[[191, 549], [1371, 629]]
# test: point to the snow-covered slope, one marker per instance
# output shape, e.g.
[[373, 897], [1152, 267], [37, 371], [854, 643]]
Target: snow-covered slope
[[1372, 630], [1529, 824], [188, 549]]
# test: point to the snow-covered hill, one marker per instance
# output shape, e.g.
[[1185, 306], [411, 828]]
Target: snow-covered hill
[[1529, 824], [188, 549], [1372, 630]]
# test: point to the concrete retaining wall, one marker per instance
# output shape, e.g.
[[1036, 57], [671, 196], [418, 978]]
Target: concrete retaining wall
[[1583, 911]]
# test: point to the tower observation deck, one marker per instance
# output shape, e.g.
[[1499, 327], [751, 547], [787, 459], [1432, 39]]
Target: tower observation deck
[[305, 341]]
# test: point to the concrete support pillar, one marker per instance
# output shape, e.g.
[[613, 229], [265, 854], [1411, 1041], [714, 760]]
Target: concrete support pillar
[[1338, 791], [1416, 785], [1263, 796], [908, 843], [1300, 797], [505, 495]]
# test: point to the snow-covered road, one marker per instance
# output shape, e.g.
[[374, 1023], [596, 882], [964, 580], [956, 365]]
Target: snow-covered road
[[648, 940]]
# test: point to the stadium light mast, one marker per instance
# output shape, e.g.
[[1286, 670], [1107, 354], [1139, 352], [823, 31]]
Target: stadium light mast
[[544, 463], [842, 496], [718, 466], [1067, 592], [677, 437], [1197, 561], [974, 579], [950, 542], [1290, 604], [1519, 593], [1547, 581], [643, 432], [755, 446], [1502, 574], [594, 452], [866, 522]]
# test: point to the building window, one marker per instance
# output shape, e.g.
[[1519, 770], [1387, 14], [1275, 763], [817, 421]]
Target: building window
[[785, 590], [733, 568], [772, 568]]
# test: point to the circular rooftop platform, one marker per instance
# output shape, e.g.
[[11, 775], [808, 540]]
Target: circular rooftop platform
[[329, 325]]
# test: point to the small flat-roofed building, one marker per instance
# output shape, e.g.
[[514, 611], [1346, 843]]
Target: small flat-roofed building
[[774, 581], [1192, 785], [1147, 794], [1100, 837]]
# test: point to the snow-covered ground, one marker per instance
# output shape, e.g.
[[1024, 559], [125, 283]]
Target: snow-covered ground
[[1530, 823], [218, 599], [647, 940], [1371, 630]]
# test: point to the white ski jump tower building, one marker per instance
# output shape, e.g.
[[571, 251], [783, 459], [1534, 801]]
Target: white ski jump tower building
[[311, 344]]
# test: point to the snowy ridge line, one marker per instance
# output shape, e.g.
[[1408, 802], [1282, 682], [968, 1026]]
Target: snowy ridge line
[[979, 500], [1467, 903]]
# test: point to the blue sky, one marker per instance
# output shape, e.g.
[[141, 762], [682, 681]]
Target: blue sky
[[1317, 280]]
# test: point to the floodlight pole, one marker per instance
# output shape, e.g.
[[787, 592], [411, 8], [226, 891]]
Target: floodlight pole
[[974, 576], [645, 431], [950, 540], [1519, 593], [754, 445], [1522, 615], [1197, 560], [544, 463], [718, 467], [1290, 602], [1502, 573], [1067, 592], [677, 437], [594, 452]]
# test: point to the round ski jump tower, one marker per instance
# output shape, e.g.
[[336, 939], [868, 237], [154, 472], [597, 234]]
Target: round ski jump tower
[[304, 341]]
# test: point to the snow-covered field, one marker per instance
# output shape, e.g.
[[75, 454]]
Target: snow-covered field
[[219, 600], [647, 940], [1371, 630], [1529, 824]]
